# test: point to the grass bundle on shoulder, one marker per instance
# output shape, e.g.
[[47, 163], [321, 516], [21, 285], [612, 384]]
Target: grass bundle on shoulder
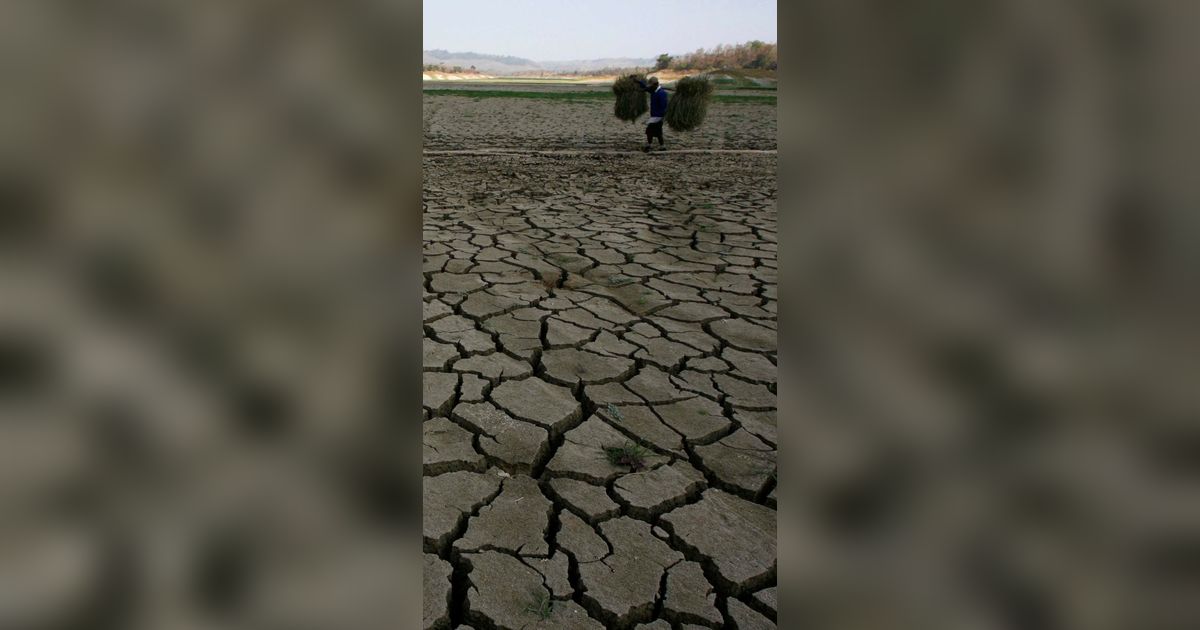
[[632, 100], [689, 103]]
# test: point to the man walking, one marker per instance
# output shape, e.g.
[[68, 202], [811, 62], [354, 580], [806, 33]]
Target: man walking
[[658, 109]]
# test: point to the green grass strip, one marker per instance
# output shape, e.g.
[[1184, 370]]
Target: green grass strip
[[596, 95]]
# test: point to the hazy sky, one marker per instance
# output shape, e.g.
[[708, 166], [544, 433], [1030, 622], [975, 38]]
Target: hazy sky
[[552, 30]]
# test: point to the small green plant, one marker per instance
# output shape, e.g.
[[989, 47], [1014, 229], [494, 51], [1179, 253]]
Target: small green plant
[[627, 454], [614, 412], [542, 605]]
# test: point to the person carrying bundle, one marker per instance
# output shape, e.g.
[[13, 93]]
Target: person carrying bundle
[[658, 111]]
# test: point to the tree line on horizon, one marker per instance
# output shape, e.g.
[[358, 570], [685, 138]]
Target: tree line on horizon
[[437, 67], [751, 55]]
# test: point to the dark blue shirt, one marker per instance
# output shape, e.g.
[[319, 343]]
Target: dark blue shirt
[[658, 100]]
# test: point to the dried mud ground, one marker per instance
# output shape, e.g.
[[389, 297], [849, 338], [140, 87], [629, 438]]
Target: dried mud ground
[[578, 303], [460, 122]]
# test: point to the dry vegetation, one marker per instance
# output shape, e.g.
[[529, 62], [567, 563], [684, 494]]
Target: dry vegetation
[[631, 100], [689, 103]]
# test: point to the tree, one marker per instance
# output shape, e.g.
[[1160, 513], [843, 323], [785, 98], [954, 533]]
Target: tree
[[753, 54], [664, 60]]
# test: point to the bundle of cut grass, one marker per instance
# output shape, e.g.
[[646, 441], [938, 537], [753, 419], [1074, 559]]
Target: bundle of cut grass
[[632, 100], [689, 103]]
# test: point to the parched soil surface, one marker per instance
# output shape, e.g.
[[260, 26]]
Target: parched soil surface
[[600, 390], [459, 122]]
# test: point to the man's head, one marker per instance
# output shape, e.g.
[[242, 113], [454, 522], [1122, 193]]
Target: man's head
[[653, 83]]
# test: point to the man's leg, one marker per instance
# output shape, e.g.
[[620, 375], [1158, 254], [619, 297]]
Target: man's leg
[[658, 133], [649, 136]]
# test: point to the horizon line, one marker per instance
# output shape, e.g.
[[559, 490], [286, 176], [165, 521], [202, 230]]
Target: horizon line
[[475, 52]]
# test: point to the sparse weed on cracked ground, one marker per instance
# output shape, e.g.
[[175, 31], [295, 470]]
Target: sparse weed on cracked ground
[[627, 454], [541, 605], [573, 186]]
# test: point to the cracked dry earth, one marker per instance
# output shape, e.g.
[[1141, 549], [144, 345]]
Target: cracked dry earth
[[574, 304]]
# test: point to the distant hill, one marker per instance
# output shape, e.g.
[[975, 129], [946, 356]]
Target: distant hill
[[588, 65], [491, 64], [506, 64]]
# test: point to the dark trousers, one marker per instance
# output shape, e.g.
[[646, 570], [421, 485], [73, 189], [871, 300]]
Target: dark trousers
[[654, 130]]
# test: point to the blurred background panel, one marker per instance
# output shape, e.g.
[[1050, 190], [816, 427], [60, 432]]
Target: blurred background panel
[[989, 323], [209, 314]]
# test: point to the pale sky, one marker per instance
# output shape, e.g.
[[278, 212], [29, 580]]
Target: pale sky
[[555, 30]]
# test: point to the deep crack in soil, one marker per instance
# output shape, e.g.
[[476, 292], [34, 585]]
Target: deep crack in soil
[[578, 301]]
